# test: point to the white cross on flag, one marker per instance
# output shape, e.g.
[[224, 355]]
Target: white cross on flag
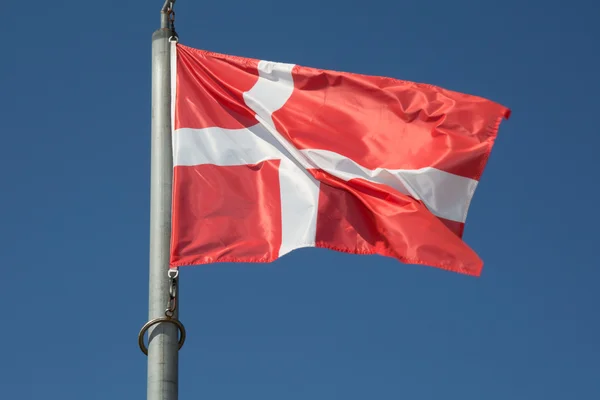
[[272, 157]]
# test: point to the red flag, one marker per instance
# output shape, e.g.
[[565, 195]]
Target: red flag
[[271, 157]]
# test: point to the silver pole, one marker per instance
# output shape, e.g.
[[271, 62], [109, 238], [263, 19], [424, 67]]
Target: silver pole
[[162, 338]]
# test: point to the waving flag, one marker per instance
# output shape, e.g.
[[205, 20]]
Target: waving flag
[[271, 157]]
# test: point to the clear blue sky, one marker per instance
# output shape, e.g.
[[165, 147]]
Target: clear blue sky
[[319, 325]]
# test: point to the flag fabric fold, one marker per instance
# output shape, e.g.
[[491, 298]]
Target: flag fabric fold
[[270, 157]]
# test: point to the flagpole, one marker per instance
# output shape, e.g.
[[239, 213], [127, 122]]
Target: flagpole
[[163, 357]]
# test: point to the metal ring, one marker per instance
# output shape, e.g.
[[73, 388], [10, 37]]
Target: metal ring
[[173, 273], [156, 321]]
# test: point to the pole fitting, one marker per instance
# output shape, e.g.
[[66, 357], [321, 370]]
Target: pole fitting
[[169, 317], [167, 16], [176, 322], [168, 5]]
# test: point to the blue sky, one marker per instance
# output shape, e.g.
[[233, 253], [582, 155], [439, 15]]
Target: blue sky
[[74, 211]]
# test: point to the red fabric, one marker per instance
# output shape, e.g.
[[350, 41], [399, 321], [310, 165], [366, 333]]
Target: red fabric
[[387, 123], [233, 213], [210, 89], [228, 213], [365, 218]]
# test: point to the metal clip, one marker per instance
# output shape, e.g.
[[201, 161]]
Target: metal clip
[[172, 303]]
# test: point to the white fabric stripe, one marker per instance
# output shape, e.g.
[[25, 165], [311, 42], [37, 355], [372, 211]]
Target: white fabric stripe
[[224, 147], [445, 195], [271, 92], [299, 191], [273, 89]]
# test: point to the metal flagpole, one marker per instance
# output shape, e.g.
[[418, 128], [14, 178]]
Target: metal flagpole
[[163, 327]]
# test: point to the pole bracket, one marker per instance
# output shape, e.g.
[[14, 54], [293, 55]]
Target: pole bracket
[[158, 320], [173, 275]]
